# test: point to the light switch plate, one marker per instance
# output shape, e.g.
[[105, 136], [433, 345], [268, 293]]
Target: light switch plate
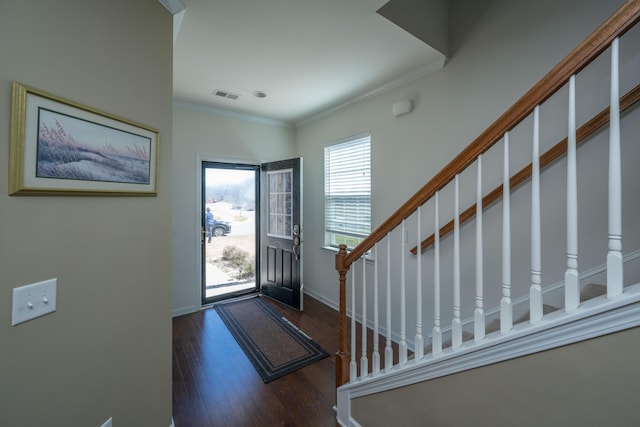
[[35, 300]]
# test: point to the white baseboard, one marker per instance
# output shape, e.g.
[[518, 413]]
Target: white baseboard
[[184, 310], [395, 337], [324, 300]]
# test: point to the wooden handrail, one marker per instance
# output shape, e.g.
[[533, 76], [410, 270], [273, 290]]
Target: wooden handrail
[[617, 25], [598, 121]]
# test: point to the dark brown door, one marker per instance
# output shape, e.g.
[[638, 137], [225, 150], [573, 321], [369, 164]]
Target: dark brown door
[[281, 231]]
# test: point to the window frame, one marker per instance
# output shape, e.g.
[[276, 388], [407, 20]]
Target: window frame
[[333, 235]]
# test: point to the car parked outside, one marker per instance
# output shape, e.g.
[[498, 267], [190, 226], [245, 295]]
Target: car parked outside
[[220, 228]]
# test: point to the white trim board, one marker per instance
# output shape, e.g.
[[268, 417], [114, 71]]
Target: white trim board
[[596, 317]]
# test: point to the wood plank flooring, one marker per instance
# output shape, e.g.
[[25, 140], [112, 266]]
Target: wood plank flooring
[[214, 384]]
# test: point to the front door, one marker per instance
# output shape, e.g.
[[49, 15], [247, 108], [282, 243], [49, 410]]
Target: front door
[[281, 231]]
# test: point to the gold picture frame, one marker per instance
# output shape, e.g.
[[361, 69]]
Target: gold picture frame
[[60, 147]]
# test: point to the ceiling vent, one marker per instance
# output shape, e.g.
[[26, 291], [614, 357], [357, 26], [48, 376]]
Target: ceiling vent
[[225, 94]]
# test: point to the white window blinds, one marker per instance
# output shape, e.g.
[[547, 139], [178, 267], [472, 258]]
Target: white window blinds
[[347, 180]]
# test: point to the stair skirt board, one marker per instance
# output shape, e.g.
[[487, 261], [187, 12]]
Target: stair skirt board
[[596, 317]]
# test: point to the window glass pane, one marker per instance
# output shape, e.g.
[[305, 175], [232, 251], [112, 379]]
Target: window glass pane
[[287, 225], [287, 183], [279, 185], [348, 191], [272, 183], [280, 203], [288, 206]]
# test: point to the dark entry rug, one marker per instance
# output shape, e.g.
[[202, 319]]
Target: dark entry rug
[[274, 346]]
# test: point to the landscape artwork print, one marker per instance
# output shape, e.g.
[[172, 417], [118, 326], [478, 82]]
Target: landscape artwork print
[[59, 147], [77, 149]]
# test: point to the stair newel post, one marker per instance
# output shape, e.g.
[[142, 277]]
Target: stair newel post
[[353, 365], [571, 283], [456, 324], [614, 256], [436, 335], [419, 340], [342, 356], [388, 350], [364, 361], [402, 346], [506, 310], [478, 313], [375, 356], [535, 291]]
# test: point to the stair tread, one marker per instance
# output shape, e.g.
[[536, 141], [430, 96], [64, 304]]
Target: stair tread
[[592, 290], [588, 291]]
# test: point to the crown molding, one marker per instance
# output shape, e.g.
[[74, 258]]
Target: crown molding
[[416, 74]]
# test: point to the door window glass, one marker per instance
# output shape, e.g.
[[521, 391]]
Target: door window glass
[[280, 203]]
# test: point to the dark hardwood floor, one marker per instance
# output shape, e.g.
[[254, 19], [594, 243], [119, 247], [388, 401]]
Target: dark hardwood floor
[[214, 384]]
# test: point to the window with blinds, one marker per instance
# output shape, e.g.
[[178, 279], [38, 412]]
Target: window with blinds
[[347, 191]]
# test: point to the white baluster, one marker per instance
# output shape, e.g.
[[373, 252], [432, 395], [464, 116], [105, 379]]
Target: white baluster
[[506, 309], [388, 350], [571, 282], [364, 361], [456, 324], [478, 314], [353, 366], [402, 346], [419, 340], [535, 291], [375, 356], [614, 256], [436, 336]]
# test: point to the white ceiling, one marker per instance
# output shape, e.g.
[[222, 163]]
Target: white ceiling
[[308, 56]]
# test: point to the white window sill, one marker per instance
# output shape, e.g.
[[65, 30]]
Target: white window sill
[[334, 250]]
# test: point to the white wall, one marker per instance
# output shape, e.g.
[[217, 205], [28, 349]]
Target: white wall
[[106, 351], [204, 134], [509, 47]]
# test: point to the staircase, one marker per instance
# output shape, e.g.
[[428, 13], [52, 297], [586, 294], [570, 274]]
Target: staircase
[[414, 271]]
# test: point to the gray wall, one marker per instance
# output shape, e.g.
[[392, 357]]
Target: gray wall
[[500, 51], [106, 351], [205, 134], [592, 383]]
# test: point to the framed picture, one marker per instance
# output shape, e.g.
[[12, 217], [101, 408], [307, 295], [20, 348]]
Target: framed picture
[[60, 147]]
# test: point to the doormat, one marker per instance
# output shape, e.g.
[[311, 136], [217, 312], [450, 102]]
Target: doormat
[[274, 345]]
